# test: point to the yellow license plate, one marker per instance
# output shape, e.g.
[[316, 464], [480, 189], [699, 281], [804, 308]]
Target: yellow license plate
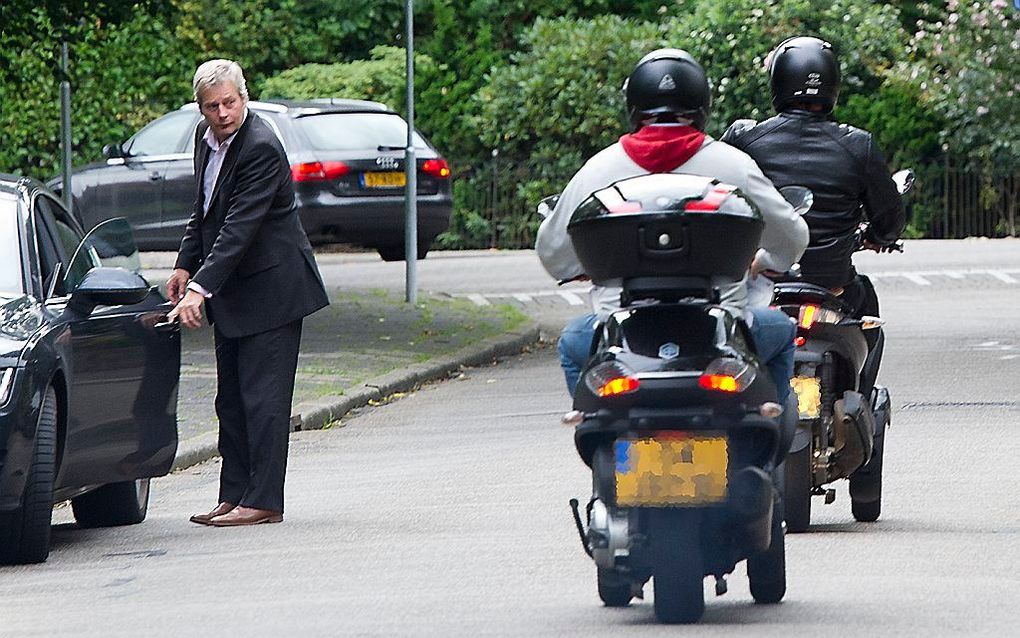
[[671, 469], [385, 180], [809, 396]]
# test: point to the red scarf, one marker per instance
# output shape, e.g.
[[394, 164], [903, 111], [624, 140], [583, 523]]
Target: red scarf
[[660, 149]]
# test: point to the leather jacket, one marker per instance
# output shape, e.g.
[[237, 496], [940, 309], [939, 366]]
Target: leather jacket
[[845, 171]]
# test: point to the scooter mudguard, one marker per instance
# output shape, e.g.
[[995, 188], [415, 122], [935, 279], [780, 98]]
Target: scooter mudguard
[[788, 428], [801, 437]]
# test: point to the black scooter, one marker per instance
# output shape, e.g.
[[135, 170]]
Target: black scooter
[[843, 413], [675, 414]]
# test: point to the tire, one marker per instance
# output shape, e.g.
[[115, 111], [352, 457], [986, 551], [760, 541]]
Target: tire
[[397, 252], [114, 504], [866, 484], [766, 570], [614, 591], [25, 532], [797, 496], [678, 573]]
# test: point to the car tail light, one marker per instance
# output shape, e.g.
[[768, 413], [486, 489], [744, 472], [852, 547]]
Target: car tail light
[[810, 315], [318, 171], [727, 375], [436, 168], [611, 378]]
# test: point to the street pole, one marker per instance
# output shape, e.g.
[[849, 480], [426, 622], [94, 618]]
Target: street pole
[[65, 127], [411, 170]]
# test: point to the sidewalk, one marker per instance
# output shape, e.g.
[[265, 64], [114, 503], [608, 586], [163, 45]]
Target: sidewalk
[[361, 349]]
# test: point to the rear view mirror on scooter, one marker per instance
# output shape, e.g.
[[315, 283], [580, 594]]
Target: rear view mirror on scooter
[[546, 206], [799, 197], [904, 180]]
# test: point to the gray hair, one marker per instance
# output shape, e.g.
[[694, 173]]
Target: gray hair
[[216, 72]]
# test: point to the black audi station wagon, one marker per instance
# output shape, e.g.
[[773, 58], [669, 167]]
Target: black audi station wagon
[[346, 159], [89, 372]]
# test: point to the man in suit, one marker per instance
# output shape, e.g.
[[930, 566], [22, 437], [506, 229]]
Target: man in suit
[[246, 258]]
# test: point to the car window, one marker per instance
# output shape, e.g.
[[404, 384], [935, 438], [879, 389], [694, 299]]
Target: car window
[[189, 145], [356, 131], [66, 238], [165, 136], [12, 283]]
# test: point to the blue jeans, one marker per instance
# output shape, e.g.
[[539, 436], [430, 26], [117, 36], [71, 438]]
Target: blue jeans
[[772, 331]]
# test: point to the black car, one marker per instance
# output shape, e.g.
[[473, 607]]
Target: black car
[[88, 374], [347, 160]]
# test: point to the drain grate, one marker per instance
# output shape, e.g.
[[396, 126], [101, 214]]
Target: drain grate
[[922, 405]]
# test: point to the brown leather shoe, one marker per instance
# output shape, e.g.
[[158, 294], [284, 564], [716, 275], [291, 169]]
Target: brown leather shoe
[[245, 516], [219, 510]]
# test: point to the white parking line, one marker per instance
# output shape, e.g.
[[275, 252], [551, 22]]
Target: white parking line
[[1001, 276], [479, 300], [916, 278]]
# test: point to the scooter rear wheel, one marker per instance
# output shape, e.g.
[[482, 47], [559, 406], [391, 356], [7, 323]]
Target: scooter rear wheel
[[797, 497], [766, 570], [678, 574], [614, 591]]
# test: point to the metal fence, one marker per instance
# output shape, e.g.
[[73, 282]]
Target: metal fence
[[948, 202], [968, 203]]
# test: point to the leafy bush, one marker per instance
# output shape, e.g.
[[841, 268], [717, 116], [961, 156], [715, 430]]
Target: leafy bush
[[381, 78]]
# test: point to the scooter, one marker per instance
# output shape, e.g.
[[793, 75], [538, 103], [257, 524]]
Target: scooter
[[675, 414], [843, 414]]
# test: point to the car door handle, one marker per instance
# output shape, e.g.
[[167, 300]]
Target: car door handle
[[167, 326]]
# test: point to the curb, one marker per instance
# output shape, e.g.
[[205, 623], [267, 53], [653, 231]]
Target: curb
[[313, 415]]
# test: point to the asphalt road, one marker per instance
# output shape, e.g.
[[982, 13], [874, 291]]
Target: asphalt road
[[445, 513]]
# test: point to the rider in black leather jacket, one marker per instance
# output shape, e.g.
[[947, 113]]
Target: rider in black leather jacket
[[803, 146]]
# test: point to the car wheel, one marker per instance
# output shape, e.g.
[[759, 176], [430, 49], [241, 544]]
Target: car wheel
[[25, 532], [114, 504], [396, 252]]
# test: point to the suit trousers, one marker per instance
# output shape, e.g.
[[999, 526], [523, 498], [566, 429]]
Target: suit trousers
[[254, 391]]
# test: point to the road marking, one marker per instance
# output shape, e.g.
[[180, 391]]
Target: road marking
[[571, 298], [523, 297], [479, 300], [916, 278], [1002, 276], [952, 274]]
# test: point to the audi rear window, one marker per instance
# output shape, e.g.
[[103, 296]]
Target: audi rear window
[[356, 131]]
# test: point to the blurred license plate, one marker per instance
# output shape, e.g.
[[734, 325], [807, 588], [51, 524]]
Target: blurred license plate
[[809, 396], [670, 469], [385, 180]]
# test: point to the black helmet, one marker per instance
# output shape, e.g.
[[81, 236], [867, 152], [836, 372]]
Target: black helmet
[[804, 69], [668, 81]]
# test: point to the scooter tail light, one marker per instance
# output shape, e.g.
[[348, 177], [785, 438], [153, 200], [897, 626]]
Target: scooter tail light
[[811, 314], [727, 375], [611, 378]]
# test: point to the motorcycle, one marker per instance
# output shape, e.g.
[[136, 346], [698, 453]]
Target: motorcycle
[[675, 414], [843, 413]]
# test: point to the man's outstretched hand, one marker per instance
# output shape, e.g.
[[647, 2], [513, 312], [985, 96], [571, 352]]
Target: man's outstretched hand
[[177, 285], [189, 310]]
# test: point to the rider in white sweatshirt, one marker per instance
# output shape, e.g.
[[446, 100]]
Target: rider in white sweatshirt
[[668, 100]]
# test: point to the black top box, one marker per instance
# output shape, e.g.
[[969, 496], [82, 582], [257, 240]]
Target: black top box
[[666, 224]]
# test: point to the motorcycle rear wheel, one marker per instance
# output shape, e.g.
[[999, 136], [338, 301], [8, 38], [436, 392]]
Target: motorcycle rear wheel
[[797, 497], [678, 574]]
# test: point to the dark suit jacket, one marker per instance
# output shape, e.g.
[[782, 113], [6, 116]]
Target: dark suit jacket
[[250, 250]]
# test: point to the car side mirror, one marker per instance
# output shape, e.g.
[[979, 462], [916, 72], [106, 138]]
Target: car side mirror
[[113, 151], [800, 198], [108, 287]]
